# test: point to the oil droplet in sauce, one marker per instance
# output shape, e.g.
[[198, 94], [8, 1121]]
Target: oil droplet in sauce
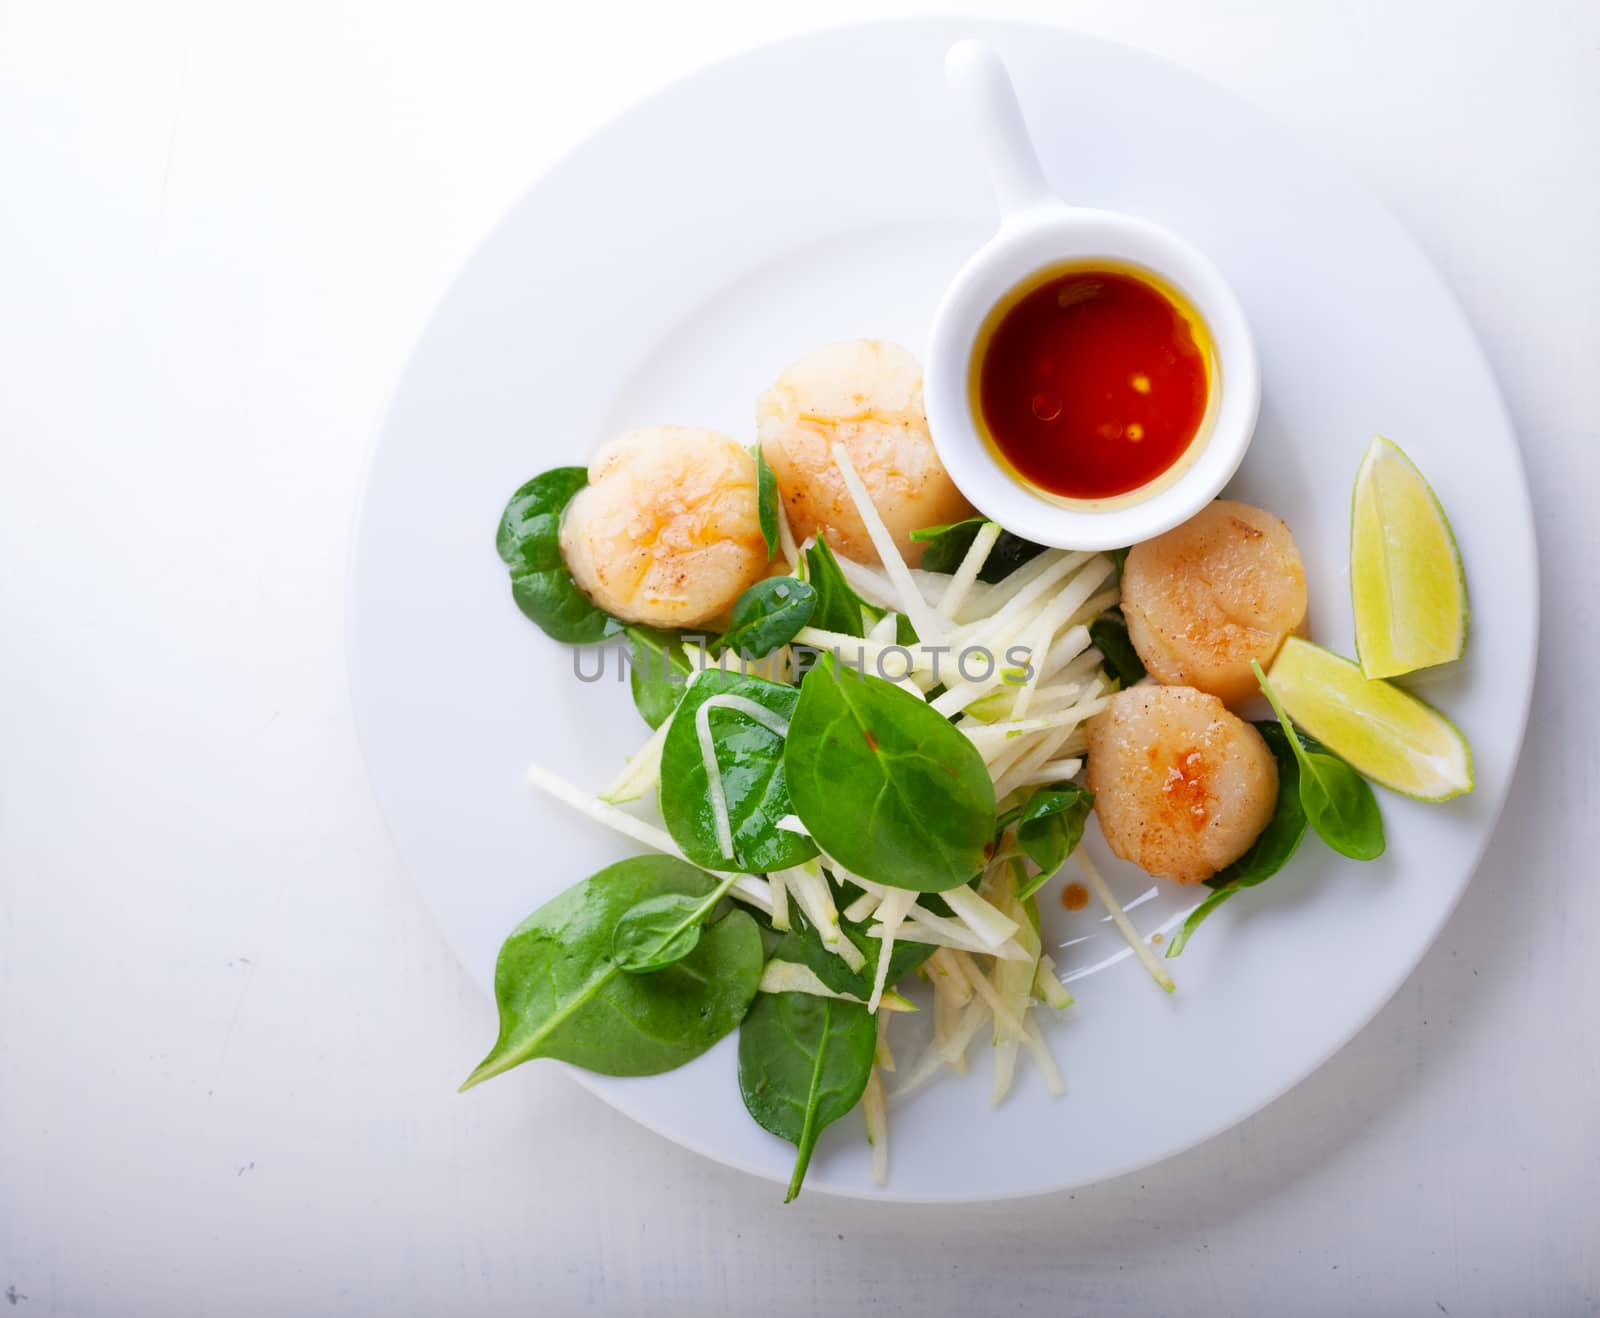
[[1092, 382], [1074, 896]]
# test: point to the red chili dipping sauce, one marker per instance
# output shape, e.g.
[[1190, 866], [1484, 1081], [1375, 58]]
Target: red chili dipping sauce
[[1092, 382]]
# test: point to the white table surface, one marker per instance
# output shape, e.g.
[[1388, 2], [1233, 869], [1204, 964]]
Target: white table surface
[[229, 1033]]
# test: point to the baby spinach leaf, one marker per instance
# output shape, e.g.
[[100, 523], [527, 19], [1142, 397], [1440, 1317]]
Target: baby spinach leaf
[[562, 995], [1273, 847], [766, 501], [750, 763], [885, 785], [804, 944], [946, 546], [1279, 840], [528, 539], [838, 608], [1341, 806], [661, 931], [657, 671], [803, 1063], [768, 615], [1050, 828], [1339, 802], [1109, 632], [657, 932]]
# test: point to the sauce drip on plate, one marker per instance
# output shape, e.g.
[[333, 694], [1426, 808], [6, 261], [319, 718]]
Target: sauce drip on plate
[[1092, 382]]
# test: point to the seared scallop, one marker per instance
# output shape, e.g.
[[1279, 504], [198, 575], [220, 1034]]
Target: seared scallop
[[667, 532], [1209, 596], [1181, 786], [867, 395]]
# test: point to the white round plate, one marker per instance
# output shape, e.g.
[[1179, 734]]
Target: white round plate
[[822, 189]]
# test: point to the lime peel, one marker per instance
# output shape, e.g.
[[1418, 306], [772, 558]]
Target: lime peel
[[1382, 731], [1406, 582]]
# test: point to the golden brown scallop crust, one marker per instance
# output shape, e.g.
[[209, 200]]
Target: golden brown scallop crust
[[867, 395], [1182, 786], [1209, 596]]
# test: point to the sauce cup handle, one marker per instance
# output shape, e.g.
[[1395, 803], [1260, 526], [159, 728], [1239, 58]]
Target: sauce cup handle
[[978, 77]]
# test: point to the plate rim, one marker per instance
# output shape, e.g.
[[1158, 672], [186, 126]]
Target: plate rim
[[1313, 149]]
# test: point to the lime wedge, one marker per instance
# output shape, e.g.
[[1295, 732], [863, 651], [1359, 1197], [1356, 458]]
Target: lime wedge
[[1380, 730], [1405, 572]]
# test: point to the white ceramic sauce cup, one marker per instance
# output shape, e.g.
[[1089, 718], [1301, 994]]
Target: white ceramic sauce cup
[[1038, 231]]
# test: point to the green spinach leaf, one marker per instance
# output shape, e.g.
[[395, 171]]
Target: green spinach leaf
[[803, 1063], [562, 995], [1339, 802], [1273, 847], [768, 615], [804, 944], [661, 931], [946, 546], [766, 501], [885, 785], [750, 764], [1109, 632], [1280, 839], [528, 539], [1050, 828], [838, 608], [657, 671]]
